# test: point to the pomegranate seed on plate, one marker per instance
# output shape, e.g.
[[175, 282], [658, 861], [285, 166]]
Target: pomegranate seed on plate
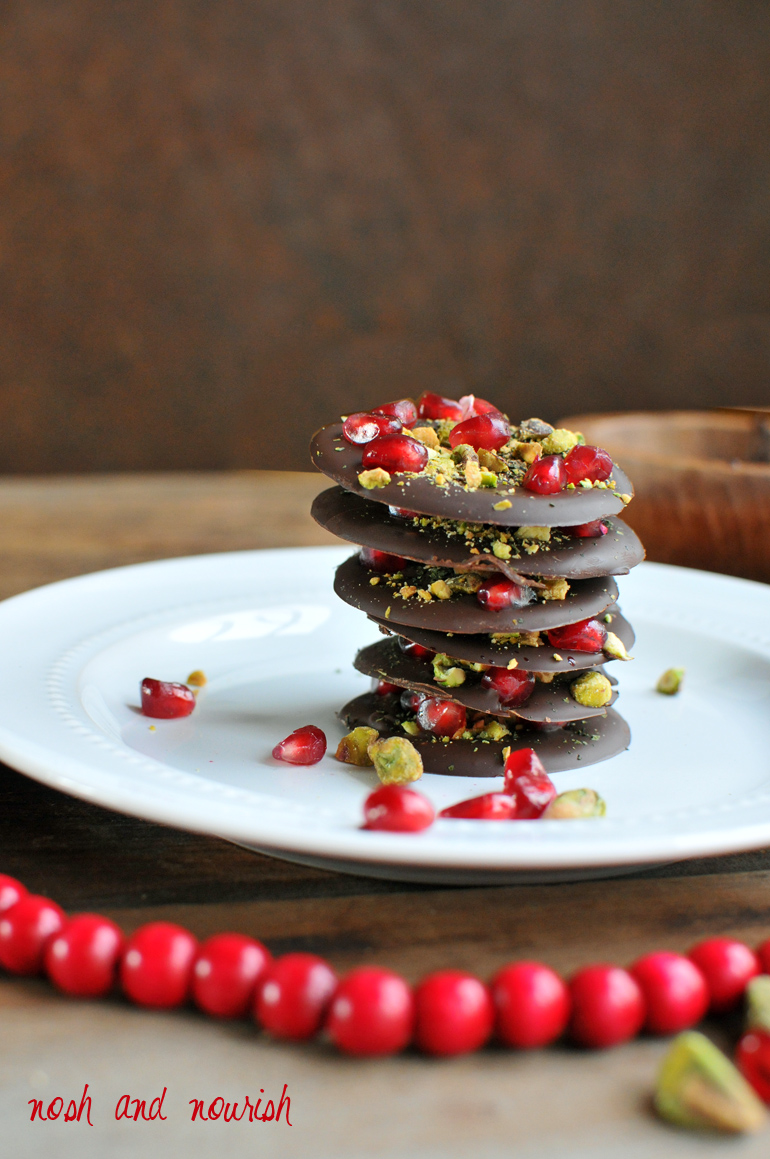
[[166, 700], [527, 782], [584, 636], [546, 476], [380, 561], [11, 891], [25, 928], [157, 964], [532, 1005], [293, 996], [415, 650], [499, 593], [593, 530], [372, 1012], [453, 1013], [441, 717], [395, 453], [752, 1057], [488, 431], [396, 809], [487, 807], [727, 966], [607, 1006], [225, 974], [385, 688], [587, 463], [82, 958], [363, 427], [403, 409], [435, 406], [675, 992], [304, 746], [513, 686]]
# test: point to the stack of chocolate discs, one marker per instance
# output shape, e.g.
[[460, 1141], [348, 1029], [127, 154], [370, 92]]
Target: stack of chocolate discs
[[487, 556]]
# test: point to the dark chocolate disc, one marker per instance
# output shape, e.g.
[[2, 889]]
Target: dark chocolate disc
[[574, 746], [360, 521], [341, 461]]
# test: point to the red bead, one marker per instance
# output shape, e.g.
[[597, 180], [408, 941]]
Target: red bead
[[752, 1057], [398, 810], [546, 476], [380, 561], [11, 891], [675, 992], [395, 453], [587, 463], [532, 1005], [294, 995], [607, 1006], [513, 686], [363, 427], [441, 717], [585, 636], [371, 1013], [594, 530], [403, 408], [25, 928], [471, 405], [226, 972], [415, 650], [304, 746], [165, 700], [453, 1013], [82, 958], [435, 406], [157, 963], [489, 432], [403, 513], [498, 593], [728, 966], [487, 807], [385, 688], [763, 957], [527, 782], [411, 701]]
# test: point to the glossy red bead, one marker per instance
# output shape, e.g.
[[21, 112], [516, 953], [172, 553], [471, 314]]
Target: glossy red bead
[[607, 1006], [397, 809], [380, 561], [411, 701], [157, 964], [165, 700], [82, 958], [532, 1005], [363, 427], [513, 686], [225, 974], [403, 408], [304, 746], [471, 405], [11, 891], [453, 1013], [546, 476], [372, 1012], [489, 432], [527, 782], [441, 717], [293, 996], [487, 807], [752, 1057], [763, 956], [25, 928], [675, 992], [385, 688], [499, 593], [585, 636], [395, 453], [594, 530], [415, 650], [728, 966], [585, 462], [435, 406]]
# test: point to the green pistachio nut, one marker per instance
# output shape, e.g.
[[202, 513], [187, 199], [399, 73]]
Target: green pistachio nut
[[698, 1087], [376, 477], [500, 549], [758, 1003], [353, 749], [493, 730], [614, 647], [445, 672], [463, 452], [671, 681], [467, 581], [541, 534], [575, 805], [488, 478], [411, 727], [396, 760], [592, 690], [559, 442]]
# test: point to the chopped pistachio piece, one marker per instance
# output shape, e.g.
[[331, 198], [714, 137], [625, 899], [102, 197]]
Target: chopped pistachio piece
[[488, 478], [592, 689], [441, 590], [698, 1087], [500, 549], [196, 679], [374, 580], [614, 647], [512, 664], [353, 749], [376, 477], [427, 436], [489, 460], [396, 760], [555, 588], [466, 581], [503, 505], [411, 726], [534, 429], [445, 671], [464, 452], [758, 1004], [559, 442], [575, 805], [528, 452], [626, 499], [542, 534], [671, 681], [472, 473], [493, 730]]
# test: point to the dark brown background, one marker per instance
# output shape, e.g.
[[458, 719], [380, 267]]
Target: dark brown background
[[223, 222]]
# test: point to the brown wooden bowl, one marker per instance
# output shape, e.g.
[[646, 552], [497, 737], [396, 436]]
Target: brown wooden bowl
[[702, 481]]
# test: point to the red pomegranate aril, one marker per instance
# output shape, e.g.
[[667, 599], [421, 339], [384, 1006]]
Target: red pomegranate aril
[[304, 746], [585, 636], [527, 782], [675, 992], [489, 432], [435, 406], [395, 453], [487, 807], [25, 928], [585, 462], [441, 717], [411, 701], [293, 996], [403, 513], [362, 427], [157, 964], [385, 688], [165, 700], [416, 651], [532, 1005], [752, 1057], [11, 891], [607, 1006], [453, 1013], [381, 561], [763, 956], [82, 958], [593, 530], [499, 593], [396, 809], [546, 476], [403, 409], [372, 1012], [226, 972], [727, 966], [513, 686], [471, 406]]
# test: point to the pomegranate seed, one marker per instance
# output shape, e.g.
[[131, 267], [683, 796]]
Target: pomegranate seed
[[403, 513], [293, 996], [411, 701], [11, 891], [453, 1013], [499, 593], [304, 746], [594, 530], [157, 964], [532, 1005], [487, 807], [165, 700], [674, 989], [763, 955], [226, 972], [371, 1013], [587, 463], [82, 958], [363, 427], [471, 406], [441, 717], [396, 809], [395, 453], [727, 966], [585, 636], [435, 406], [403, 409], [384, 688], [380, 561], [527, 782], [487, 431], [546, 476], [513, 686], [607, 1006], [415, 650], [752, 1057], [25, 929]]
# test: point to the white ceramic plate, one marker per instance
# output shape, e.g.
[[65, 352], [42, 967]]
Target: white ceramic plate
[[276, 646]]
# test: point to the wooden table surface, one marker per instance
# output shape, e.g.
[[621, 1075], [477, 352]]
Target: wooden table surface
[[556, 1103]]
